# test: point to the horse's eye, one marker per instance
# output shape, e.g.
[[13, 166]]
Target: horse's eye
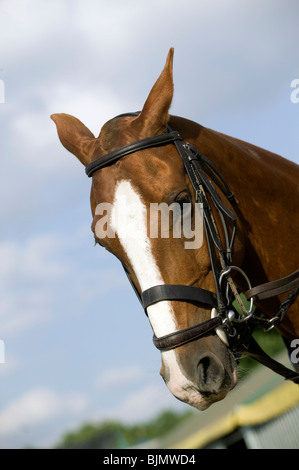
[[183, 198]]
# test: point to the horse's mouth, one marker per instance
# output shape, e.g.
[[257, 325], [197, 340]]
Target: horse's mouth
[[191, 393]]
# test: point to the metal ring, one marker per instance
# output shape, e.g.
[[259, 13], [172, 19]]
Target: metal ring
[[249, 311]]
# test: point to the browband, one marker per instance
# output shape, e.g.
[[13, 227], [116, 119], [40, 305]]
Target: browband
[[112, 157]]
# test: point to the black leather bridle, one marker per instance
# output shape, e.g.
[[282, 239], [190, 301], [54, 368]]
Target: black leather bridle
[[237, 327]]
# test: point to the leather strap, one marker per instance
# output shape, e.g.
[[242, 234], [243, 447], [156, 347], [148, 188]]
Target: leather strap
[[179, 338], [178, 292], [270, 289], [253, 350], [112, 157]]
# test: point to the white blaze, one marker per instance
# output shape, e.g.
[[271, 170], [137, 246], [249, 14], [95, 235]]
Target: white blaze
[[129, 221]]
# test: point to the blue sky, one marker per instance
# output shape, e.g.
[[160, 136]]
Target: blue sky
[[78, 345]]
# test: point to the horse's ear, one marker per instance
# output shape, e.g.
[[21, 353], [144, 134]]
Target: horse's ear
[[154, 115], [74, 136]]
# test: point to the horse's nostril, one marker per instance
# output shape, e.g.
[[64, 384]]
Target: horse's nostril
[[203, 368], [211, 374]]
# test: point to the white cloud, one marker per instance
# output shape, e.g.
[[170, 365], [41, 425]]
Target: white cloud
[[27, 273], [42, 273], [10, 366], [18, 319], [23, 23], [36, 407], [116, 22], [33, 260], [120, 377]]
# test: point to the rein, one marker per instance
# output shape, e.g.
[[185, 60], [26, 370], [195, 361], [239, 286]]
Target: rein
[[238, 327]]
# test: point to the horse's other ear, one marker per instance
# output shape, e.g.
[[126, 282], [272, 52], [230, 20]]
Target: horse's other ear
[[154, 115], [74, 136]]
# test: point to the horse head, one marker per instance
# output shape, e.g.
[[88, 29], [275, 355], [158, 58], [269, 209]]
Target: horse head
[[125, 198]]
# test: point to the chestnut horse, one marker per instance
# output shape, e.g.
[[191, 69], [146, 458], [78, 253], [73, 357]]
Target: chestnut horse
[[133, 165]]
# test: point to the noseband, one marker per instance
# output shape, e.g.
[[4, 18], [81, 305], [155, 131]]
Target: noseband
[[238, 327]]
